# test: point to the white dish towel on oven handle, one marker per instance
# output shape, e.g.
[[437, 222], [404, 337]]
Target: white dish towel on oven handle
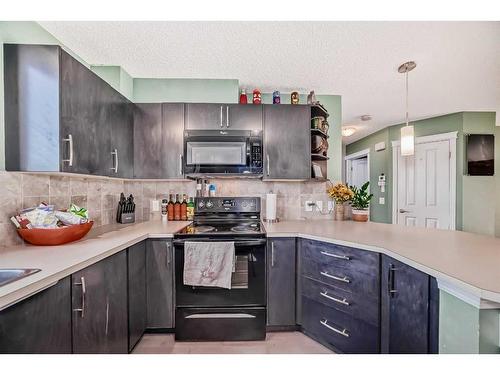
[[209, 264]]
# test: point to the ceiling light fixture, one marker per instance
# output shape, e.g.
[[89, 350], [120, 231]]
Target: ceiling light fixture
[[347, 132], [407, 131], [366, 118]]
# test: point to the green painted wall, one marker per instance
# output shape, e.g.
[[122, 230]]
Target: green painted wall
[[472, 214], [117, 77], [465, 329], [152, 90]]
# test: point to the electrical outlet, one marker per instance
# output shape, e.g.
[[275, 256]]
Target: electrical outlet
[[309, 206], [319, 206], [330, 205], [381, 200]]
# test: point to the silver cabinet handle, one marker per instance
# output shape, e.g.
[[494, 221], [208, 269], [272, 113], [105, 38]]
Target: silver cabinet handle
[[335, 255], [70, 142], [401, 211], [227, 116], [169, 254], [221, 316], [272, 254], [344, 333], [107, 316], [84, 292], [267, 158], [344, 279], [221, 124], [180, 165], [114, 155], [342, 301]]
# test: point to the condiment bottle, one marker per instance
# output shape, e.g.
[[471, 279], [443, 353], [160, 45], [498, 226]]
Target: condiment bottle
[[190, 209], [177, 208], [184, 208], [170, 208], [164, 209]]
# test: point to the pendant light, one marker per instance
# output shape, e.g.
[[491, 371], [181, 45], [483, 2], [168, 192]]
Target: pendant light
[[407, 131]]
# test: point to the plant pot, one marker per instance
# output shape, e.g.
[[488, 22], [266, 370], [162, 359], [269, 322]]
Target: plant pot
[[339, 212], [360, 215]]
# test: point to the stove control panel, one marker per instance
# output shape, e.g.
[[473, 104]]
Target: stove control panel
[[227, 204]]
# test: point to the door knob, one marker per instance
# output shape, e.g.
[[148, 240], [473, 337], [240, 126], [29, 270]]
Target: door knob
[[401, 211]]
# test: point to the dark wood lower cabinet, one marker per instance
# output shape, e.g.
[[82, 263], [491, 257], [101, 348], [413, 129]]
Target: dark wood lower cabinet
[[99, 301], [409, 324], [160, 284], [281, 279], [40, 324], [137, 312]]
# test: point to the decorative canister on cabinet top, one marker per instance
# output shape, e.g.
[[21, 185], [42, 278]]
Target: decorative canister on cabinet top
[[257, 96], [294, 97], [243, 96], [276, 97]]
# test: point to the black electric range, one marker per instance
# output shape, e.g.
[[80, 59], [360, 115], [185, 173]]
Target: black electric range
[[239, 313]]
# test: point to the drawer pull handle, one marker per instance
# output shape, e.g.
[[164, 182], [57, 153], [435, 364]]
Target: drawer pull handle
[[335, 255], [344, 279], [344, 333], [342, 301]]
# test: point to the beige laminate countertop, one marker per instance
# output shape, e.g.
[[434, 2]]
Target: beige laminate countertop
[[57, 262], [466, 264]]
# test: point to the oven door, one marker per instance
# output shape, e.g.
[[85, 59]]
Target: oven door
[[208, 152], [248, 284]]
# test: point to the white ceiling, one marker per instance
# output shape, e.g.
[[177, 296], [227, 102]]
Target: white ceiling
[[458, 63]]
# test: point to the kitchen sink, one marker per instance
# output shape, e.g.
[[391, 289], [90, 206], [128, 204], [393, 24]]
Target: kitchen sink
[[9, 275]]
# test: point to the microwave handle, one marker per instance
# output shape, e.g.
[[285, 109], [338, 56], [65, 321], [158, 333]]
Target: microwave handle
[[221, 124], [227, 116]]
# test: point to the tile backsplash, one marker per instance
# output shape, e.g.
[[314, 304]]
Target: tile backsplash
[[100, 196]]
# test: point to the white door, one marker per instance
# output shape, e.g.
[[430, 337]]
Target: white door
[[423, 185], [359, 172]]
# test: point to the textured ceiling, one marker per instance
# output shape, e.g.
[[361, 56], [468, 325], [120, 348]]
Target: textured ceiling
[[458, 63]]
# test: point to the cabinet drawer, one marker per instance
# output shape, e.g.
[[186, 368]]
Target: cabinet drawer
[[347, 279], [340, 256], [338, 330], [358, 306]]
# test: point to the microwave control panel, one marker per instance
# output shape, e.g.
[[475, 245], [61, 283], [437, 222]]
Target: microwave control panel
[[256, 155]]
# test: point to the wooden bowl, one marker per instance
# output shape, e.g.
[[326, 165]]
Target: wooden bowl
[[55, 236]]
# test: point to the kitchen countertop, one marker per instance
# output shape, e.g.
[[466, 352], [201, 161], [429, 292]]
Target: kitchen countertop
[[57, 262], [466, 265]]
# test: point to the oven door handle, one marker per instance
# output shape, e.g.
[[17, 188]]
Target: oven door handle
[[236, 243]]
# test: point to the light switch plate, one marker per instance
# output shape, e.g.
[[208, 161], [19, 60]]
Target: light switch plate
[[330, 205], [381, 200]]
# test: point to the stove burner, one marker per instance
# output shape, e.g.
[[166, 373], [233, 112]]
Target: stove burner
[[245, 228], [204, 229]]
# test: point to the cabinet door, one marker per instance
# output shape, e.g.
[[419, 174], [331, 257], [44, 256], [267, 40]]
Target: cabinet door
[[99, 301], [205, 116], [405, 308], [172, 148], [147, 140], [281, 255], [40, 324], [160, 284], [287, 142], [82, 120], [243, 117], [121, 137], [137, 311]]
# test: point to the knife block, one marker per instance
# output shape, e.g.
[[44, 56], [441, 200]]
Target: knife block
[[127, 218]]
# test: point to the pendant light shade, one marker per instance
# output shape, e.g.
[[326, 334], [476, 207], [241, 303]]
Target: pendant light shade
[[407, 140], [407, 131]]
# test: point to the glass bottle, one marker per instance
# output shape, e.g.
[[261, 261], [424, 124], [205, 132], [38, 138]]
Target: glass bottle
[[170, 208], [190, 209], [177, 208], [184, 208]]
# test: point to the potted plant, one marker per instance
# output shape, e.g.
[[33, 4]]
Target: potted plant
[[340, 193], [360, 202]]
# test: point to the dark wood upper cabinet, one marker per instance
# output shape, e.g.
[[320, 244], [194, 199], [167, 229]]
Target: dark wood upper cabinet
[[99, 302], [40, 324], [281, 280], [172, 150], [287, 142], [147, 140], [407, 316], [244, 117], [205, 116], [62, 117]]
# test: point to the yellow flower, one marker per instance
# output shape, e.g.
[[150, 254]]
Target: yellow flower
[[340, 193]]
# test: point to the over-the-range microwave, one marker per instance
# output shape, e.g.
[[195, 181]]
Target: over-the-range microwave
[[219, 153]]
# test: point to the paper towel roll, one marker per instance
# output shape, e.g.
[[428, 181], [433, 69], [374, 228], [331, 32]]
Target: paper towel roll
[[270, 206]]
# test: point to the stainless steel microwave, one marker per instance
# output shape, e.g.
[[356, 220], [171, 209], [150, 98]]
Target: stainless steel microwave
[[223, 153]]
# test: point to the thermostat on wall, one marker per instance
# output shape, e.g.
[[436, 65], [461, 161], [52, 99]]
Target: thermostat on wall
[[380, 146]]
